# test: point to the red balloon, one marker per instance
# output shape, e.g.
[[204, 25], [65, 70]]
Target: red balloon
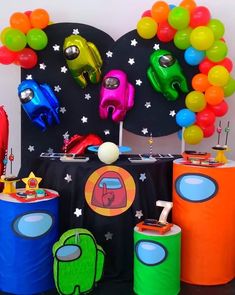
[[206, 65], [7, 56], [146, 13], [227, 63], [4, 131], [208, 130], [200, 16], [165, 32], [27, 58], [205, 118], [220, 109]]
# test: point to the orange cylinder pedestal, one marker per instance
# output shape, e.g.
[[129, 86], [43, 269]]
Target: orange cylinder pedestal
[[204, 208]]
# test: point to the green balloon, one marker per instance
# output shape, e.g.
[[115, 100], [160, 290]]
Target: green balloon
[[182, 38], [218, 51], [179, 18], [15, 40], [217, 27], [37, 39], [229, 88]]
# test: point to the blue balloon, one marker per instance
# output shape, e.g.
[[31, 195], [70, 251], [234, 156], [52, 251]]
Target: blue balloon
[[185, 118], [172, 6], [193, 56]]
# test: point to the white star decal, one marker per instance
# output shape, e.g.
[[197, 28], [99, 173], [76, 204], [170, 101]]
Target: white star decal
[[68, 178], [108, 236], [57, 88], [156, 47], [147, 104], [56, 47], [172, 113], [63, 69], [142, 177], [29, 77], [66, 135], [62, 110], [87, 96], [134, 42], [138, 82], [75, 32], [84, 119], [78, 212], [42, 66], [106, 132], [109, 54], [144, 131], [31, 148], [131, 61], [50, 150], [139, 214]]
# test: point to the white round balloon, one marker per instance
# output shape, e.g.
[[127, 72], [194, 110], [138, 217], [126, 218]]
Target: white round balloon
[[108, 152]]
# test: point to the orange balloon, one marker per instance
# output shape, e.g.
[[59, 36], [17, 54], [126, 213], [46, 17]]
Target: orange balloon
[[188, 4], [20, 21], [160, 11], [214, 95], [200, 82], [39, 18]]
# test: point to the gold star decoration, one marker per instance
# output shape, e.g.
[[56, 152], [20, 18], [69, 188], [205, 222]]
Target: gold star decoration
[[31, 181]]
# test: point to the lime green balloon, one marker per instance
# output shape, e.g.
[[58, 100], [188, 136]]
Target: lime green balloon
[[195, 101], [229, 88], [182, 38], [147, 27], [193, 134], [202, 38], [3, 34], [217, 28], [37, 39], [218, 76], [179, 18], [218, 51], [15, 40]]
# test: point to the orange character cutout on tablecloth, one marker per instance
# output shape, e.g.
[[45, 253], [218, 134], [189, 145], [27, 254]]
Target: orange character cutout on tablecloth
[[204, 207]]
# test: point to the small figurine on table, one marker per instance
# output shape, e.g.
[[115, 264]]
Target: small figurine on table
[[221, 149]]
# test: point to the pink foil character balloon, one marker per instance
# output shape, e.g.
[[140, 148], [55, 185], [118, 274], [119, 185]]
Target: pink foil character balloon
[[116, 94]]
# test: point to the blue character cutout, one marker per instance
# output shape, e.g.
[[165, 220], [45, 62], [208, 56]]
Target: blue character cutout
[[39, 103]]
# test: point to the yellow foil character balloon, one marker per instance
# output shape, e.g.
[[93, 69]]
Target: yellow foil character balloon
[[82, 57]]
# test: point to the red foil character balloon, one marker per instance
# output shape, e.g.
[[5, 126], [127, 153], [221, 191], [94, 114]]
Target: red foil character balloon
[[4, 130]]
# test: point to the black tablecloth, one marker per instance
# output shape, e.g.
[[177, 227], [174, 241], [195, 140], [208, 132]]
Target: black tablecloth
[[153, 182]]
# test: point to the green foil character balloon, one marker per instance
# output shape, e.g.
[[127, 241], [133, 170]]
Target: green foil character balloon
[[82, 57], [165, 73], [78, 262]]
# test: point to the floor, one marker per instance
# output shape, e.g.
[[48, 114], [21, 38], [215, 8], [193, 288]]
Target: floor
[[117, 288]]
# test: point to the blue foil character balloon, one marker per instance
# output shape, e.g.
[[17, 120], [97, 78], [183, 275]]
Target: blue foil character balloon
[[39, 103]]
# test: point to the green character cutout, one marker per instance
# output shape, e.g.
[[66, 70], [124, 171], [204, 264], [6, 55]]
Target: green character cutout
[[78, 262], [165, 73], [82, 57]]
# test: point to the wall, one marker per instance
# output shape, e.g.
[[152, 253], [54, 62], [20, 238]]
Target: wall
[[116, 18]]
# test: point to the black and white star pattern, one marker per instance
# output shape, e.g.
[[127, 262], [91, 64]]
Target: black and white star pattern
[[78, 108], [78, 212]]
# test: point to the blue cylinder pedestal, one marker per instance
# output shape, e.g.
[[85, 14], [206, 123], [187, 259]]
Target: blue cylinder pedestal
[[27, 234]]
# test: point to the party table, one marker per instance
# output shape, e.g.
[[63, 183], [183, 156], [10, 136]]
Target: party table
[[136, 187]]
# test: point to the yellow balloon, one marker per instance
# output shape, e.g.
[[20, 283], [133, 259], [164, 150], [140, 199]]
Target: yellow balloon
[[195, 101], [218, 76], [202, 38], [147, 27], [3, 34], [193, 134]]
